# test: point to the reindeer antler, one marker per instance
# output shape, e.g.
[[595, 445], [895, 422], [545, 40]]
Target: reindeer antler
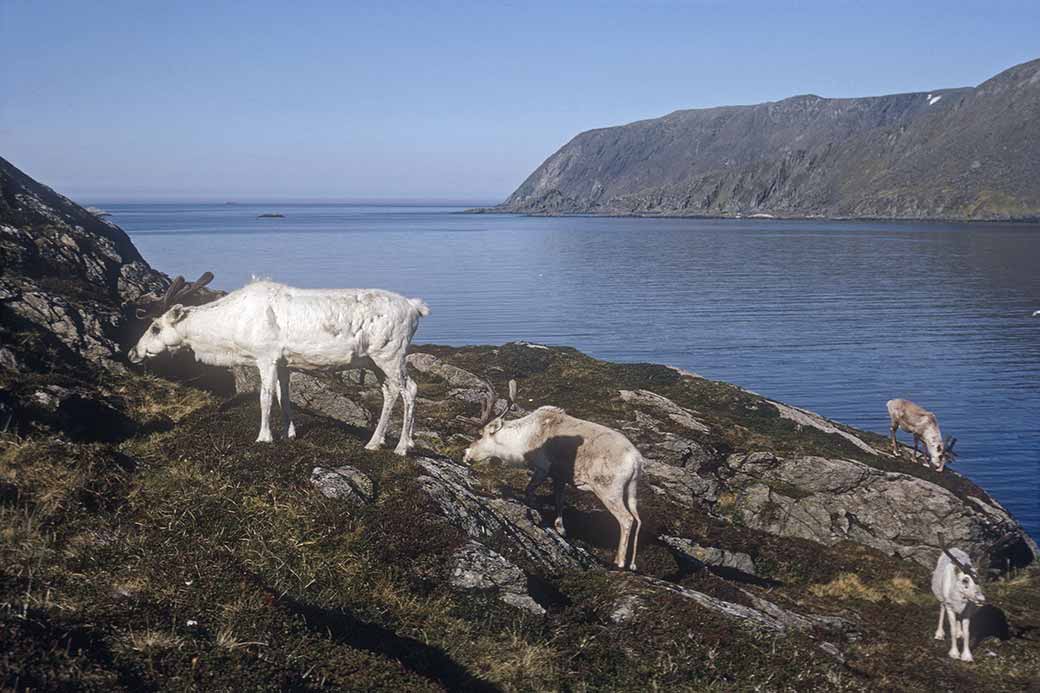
[[177, 291], [966, 569], [487, 407]]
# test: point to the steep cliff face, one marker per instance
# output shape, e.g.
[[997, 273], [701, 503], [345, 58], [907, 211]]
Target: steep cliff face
[[65, 275], [969, 153]]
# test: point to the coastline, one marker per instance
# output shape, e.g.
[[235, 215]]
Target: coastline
[[1025, 221]]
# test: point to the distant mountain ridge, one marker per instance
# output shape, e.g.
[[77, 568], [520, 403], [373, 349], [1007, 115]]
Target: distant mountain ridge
[[966, 153]]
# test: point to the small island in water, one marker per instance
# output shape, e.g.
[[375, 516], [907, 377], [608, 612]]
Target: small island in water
[[270, 215]]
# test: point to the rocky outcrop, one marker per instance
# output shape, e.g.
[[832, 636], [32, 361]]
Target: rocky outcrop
[[829, 500], [452, 487], [967, 153], [345, 482], [825, 499], [65, 276], [693, 556], [820, 498], [476, 567], [542, 550]]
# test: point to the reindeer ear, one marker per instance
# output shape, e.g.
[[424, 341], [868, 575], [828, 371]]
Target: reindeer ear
[[176, 314]]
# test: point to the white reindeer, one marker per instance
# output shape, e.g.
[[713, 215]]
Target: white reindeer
[[955, 585], [277, 328], [592, 457], [922, 424]]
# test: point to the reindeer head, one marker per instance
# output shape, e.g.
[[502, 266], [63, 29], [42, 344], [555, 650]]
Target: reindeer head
[[945, 453], [162, 334], [966, 582], [489, 445]]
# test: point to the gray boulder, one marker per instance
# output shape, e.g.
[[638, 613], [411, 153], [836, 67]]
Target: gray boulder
[[344, 482], [475, 566], [694, 556], [325, 395]]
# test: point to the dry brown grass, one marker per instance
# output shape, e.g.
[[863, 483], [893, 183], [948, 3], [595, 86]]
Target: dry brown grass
[[35, 466], [148, 398], [227, 640], [151, 641], [900, 590]]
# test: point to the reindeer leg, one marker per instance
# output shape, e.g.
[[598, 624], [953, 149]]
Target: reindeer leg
[[939, 634], [952, 617], [268, 380], [616, 505], [966, 637], [895, 445], [283, 401], [408, 393], [632, 508], [559, 487], [390, 392]]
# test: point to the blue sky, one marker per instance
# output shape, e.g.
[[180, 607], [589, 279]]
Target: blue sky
[[460, 100]]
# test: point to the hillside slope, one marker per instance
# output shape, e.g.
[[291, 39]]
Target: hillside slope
[[968, 153], [148, 543]]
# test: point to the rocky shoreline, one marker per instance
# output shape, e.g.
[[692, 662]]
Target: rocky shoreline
[[148, 543]]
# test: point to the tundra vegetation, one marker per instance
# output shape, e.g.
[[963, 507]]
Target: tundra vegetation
[[146, 542], [185, 556]]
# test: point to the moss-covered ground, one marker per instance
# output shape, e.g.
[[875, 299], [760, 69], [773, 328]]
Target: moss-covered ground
[[187, 557]]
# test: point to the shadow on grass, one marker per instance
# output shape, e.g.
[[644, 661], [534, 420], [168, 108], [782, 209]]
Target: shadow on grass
[[425, 660], [42, 648]]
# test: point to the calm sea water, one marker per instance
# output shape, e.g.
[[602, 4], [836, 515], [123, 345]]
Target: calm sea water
[[837, 317]]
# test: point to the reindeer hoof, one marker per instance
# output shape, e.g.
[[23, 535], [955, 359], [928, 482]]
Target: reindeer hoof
[[966, 657], [953, 654], [403, 452], [264, 438], [373, 446], [939, 635]]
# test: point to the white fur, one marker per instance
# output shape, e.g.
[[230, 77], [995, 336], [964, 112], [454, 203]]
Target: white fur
[[955, 590], [277, 328]]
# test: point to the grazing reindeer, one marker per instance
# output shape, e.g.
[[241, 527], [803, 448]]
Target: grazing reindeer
[[592, 457], [922, 424], [277, 328], [956, 585]]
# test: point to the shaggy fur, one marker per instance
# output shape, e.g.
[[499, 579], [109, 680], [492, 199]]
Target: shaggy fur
[[279, 328]]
